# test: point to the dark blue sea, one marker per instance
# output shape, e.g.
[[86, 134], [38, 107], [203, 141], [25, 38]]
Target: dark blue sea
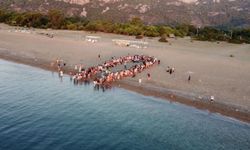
[[39, 111]]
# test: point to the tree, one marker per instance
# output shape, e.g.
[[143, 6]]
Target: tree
[[165, 30], [151, 31], [72, 26], [56, 19], [183, 30], [136, 21], [2, 15], [163, 38]]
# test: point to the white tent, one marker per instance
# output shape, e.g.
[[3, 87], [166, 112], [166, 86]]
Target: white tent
[[129, 43], [92, 39]]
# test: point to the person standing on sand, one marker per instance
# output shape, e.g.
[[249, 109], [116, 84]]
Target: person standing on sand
[[149, 76], [61, 73], [76, 68], [125, 65], [189, 78], [59, 66], [80, 68], [168, 69], [57, 61], [171, 71], [140, 80], [99, 56]]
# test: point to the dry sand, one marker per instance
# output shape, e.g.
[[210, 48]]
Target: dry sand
[[214, 72]]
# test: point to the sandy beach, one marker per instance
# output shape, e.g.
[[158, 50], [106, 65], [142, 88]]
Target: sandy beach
[[213, 71]]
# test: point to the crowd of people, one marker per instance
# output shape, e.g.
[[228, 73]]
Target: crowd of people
[[170, 70], [102, 74], [60, 65]]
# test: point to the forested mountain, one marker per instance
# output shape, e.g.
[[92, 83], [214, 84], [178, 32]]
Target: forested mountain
[[232, 13]]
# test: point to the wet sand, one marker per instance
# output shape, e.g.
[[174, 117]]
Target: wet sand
[[214, 72]]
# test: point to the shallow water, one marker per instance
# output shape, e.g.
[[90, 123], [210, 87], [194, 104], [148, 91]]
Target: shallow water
[[39, 111]]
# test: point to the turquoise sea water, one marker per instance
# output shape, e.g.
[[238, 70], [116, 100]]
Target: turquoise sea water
[[38, 111]]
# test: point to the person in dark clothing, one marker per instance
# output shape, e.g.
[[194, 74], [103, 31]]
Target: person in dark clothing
[[189, 78], [125, 65], [168, 69], [149, 76]]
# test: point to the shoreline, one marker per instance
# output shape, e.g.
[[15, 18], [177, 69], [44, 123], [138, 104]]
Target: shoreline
[[214, 107]]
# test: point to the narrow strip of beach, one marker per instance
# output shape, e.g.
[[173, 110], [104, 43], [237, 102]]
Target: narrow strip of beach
[[213, 72]]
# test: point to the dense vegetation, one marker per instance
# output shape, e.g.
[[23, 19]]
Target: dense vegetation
[[55, 19]]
